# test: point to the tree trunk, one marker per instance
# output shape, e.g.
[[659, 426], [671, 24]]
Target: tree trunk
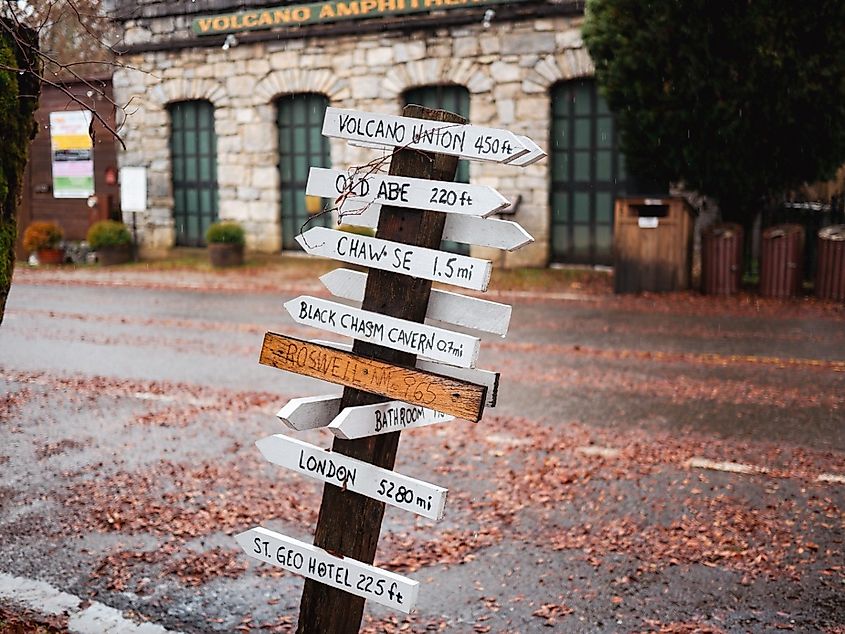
[[18, 102]]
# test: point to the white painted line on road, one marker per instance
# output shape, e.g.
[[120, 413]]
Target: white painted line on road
[[166, 398], [601, 452], [831, 477], [730, 467], [44, 599]]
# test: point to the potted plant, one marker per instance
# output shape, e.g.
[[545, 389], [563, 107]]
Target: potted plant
[[43, 238], [225, 244], [112, 242]]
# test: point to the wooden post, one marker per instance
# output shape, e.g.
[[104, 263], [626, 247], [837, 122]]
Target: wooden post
[[349, 524]]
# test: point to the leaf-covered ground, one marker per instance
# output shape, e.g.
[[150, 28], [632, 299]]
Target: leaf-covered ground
[[128, 414]]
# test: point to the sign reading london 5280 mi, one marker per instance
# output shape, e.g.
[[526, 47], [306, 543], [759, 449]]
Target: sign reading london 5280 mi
[[319, 12]]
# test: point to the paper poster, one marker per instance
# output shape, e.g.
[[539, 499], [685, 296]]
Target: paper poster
[[73, 154]]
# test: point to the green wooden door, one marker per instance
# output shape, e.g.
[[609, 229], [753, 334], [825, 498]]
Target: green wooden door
[[301, 146], [454, 99], [588, 173], [193, 155]]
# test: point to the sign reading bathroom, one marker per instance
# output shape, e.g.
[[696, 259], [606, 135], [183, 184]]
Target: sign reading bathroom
[[323, 12]]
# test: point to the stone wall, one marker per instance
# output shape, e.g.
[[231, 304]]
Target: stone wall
[[507, 67]]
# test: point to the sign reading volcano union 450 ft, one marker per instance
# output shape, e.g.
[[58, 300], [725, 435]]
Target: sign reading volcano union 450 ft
[[320, 12]]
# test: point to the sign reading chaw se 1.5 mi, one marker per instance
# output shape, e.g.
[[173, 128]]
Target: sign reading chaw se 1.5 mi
[[429, 264], [467, 141]]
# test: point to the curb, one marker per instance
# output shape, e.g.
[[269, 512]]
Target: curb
[[83, 617]]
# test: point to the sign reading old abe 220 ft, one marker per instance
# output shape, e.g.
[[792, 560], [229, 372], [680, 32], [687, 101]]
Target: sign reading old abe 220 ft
[[438, 384]]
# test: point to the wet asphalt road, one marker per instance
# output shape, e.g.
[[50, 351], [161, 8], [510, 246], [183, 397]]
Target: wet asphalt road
[[127, 417]]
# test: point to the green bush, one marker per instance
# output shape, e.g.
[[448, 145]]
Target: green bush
[[361, 231], [42, 235], [225, 233], [108, 233]]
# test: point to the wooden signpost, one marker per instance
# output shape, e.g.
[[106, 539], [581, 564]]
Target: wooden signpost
[[399, 373]]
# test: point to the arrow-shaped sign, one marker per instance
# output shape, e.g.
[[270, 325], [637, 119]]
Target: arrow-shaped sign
[[349, 575], [534, 154], [472, 375], [484, 232], [383, 418], [429, 264], [360, 187], [431, 342], [458, 397], [467, 141], [310, 412], [354, 475], [443, 306]]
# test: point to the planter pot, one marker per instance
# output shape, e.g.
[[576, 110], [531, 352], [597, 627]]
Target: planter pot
[[223, 255], [51, 256], [108, 256]]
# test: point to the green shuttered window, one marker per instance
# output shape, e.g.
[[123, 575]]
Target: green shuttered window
[[588, 173], [193, 154], [301, 146], [454, 99]]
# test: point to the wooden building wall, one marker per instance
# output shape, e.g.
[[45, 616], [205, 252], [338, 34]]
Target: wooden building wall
[[72, 214]]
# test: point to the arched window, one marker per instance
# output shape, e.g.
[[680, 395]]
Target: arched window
[[193, 155], [588, 173], [454, 99], [301, 146]]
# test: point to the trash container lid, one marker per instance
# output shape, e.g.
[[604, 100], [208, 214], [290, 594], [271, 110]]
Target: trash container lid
[[833, 232], [781, 231]]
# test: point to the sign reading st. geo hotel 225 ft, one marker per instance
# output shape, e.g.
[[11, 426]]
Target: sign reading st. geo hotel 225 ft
[[320, 12]]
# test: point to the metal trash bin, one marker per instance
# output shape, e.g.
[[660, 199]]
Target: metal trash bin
[[830, 272], [721, 259], [652, 244], [781, 261]]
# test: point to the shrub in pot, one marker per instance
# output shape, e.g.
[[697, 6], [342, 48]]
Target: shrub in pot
[[225, 244], [112, 242], [43, 238]]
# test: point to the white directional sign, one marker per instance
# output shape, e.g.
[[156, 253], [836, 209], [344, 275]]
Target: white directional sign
[[485, 232], [360, 187], [466, 141], [435, 343], [429, 264], [383, 418], [534, 154], [310, 412], [349, 575], [473, 375], [350, 474], [443, 306]]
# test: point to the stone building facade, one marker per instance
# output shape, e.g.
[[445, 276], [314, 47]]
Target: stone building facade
[[511, 60]]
